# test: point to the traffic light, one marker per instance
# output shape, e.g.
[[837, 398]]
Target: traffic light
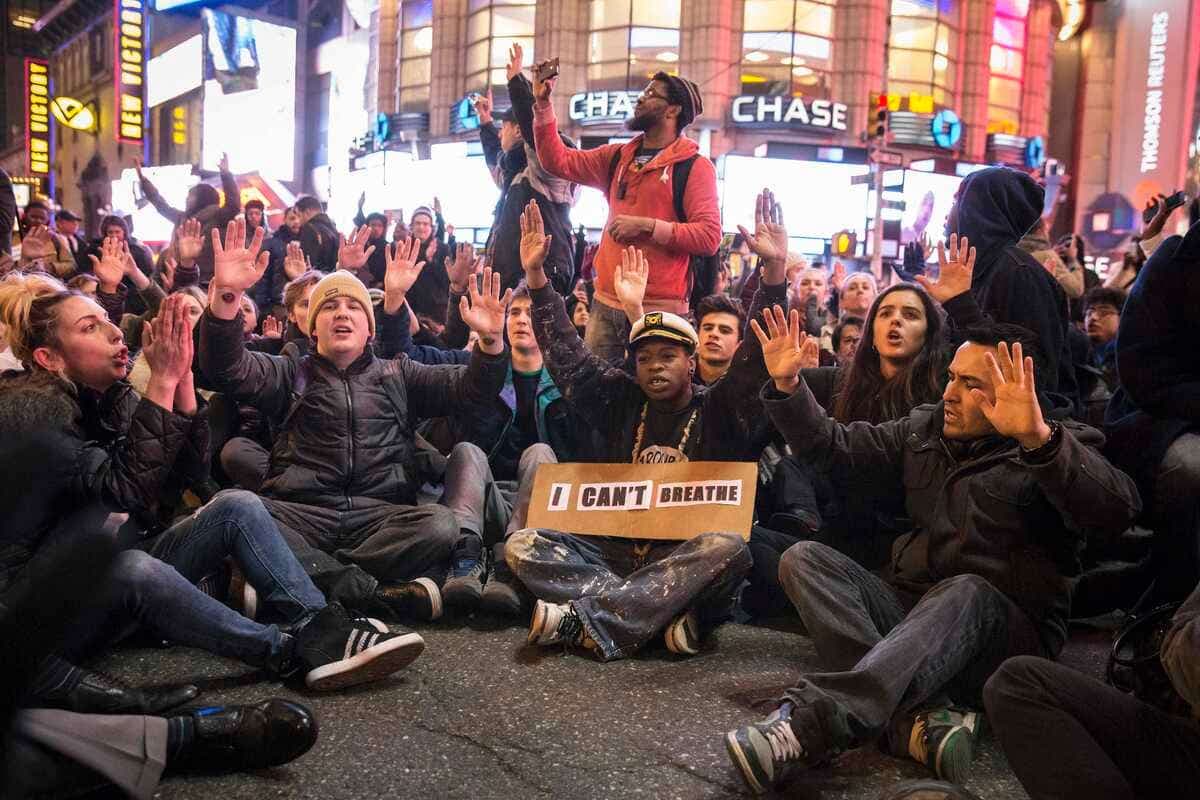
[[843, 244], [879, 124]]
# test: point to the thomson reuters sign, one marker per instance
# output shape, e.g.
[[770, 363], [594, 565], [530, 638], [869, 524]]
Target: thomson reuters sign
[[129, 78], [37, 116]]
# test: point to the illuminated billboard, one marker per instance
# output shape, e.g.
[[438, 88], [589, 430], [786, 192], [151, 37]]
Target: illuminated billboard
[[249, 94], [817, 196], [175, 72], [37, 116], [129, 60]]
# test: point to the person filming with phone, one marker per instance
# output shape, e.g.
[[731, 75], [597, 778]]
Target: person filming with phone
[[662, 197]]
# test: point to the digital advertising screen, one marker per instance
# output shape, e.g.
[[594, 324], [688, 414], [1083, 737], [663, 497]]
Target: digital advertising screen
[[927, 199], [249, 94], [175, 72], [172, 182], [817, 197]]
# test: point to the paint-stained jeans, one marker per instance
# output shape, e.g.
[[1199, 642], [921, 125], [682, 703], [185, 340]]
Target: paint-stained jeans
[[626, 591]]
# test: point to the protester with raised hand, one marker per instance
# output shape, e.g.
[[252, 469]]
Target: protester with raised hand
[[354, 254], [127, 451], [343, 478], [657, 416], [1000, 499], [647, 190]]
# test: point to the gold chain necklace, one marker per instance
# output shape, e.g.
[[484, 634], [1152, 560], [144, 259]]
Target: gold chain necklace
[[641, 431]]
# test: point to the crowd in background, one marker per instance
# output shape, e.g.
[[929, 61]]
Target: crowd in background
[[280, 441]]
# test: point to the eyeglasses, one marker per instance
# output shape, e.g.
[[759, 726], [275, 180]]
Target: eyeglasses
[[650, 93]]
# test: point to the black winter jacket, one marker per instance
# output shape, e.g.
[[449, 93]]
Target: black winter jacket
[[981, 507], [996, 207], [345, 437], [730, 425]]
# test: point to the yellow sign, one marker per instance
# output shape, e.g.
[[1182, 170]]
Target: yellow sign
[[678, 500], [73, 114], [914, 102], [179, 126], [129, 17], [37, 118]]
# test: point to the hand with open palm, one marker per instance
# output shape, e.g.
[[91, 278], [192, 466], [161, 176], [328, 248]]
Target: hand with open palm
[[783, 346], [1015, 412], [535, 246], [954, 272], [483, 311], [403, 269], [770, 239]]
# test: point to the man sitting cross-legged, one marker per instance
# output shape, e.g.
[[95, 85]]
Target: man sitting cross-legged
[[342, 481], [613, 595], [1000, 501]]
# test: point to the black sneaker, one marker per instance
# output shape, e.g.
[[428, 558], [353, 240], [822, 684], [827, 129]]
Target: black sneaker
[[557, 623], [336, 653], [236, 738], [683, 635], [420, 599], [943, 739], [766, 752], [504, 595], [468, 573]]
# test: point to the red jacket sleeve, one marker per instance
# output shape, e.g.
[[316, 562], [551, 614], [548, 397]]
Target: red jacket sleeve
[[701, 234], [585, 167]]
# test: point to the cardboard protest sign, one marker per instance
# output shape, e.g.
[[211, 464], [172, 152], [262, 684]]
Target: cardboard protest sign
[[645, 501]]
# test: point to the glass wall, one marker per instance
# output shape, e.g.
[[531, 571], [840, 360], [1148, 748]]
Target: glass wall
[[923, 49], [415, 45], [786, 47], [630, 40], [1008, 66], [492, 27]]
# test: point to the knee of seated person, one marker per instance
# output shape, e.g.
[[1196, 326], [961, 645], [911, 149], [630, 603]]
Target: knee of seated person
[[802, 558], [1182, 462], [1018, 671], [726, 546], [441, 523], [519, 547], [465, 452], [539, 453], [134, 568], [238, 502], [968, 586]]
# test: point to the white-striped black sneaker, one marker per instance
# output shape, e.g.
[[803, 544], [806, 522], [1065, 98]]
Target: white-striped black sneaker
[[337, 653], [766, 752]]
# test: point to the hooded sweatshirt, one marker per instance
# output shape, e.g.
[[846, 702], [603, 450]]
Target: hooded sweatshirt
[[996, 207], [648, 193]]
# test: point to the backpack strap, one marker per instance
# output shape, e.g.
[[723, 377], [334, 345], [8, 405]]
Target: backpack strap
[[299, 384], [679, 178], [612, 171]]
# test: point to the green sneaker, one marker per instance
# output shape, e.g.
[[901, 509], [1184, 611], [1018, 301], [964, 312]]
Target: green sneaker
[[943, 739]]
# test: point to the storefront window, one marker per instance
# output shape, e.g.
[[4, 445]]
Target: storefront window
[[631, 40], [416, 43], [786, 46], [1008, 66], [492, 28], [923, 49]]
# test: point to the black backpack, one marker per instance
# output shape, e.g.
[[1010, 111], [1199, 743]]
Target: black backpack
[[702, 270]]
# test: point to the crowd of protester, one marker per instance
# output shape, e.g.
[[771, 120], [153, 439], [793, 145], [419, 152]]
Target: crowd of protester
[[282, 446]]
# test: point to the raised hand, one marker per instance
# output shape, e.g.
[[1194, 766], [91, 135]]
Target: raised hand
[[629, 281], [954, 272], [1159, 220], [403, 269], [236, 266], [189, 242], [167, 277], [167, 341], [223, 164], [770, 240], [37, 243], [400, 232], [437, 205], [109, 268], [1015, 413], [542, 89], [535, 246], [462, 268], [838, 278], [483, 107], [272, 328], [782, 346], [295, 263], [483, 310], [516, 59], [354, 252], [810, 352]]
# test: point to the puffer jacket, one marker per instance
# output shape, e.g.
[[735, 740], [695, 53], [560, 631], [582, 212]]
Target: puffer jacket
[[345, 438], [126, 452], [989, 510]]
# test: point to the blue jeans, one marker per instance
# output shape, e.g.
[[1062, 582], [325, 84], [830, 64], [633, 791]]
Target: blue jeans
[[154, 587], [892, 654]]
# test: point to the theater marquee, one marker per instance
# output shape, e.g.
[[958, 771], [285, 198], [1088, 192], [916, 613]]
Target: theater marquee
[[129, 78], [37, 116]]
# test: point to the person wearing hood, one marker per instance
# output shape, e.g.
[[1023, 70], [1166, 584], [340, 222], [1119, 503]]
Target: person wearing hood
[[1153, 419], [638, 178], [429, 295], [318, 234], [203, 204], [522, 178], [995, 208], [116, 227]]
